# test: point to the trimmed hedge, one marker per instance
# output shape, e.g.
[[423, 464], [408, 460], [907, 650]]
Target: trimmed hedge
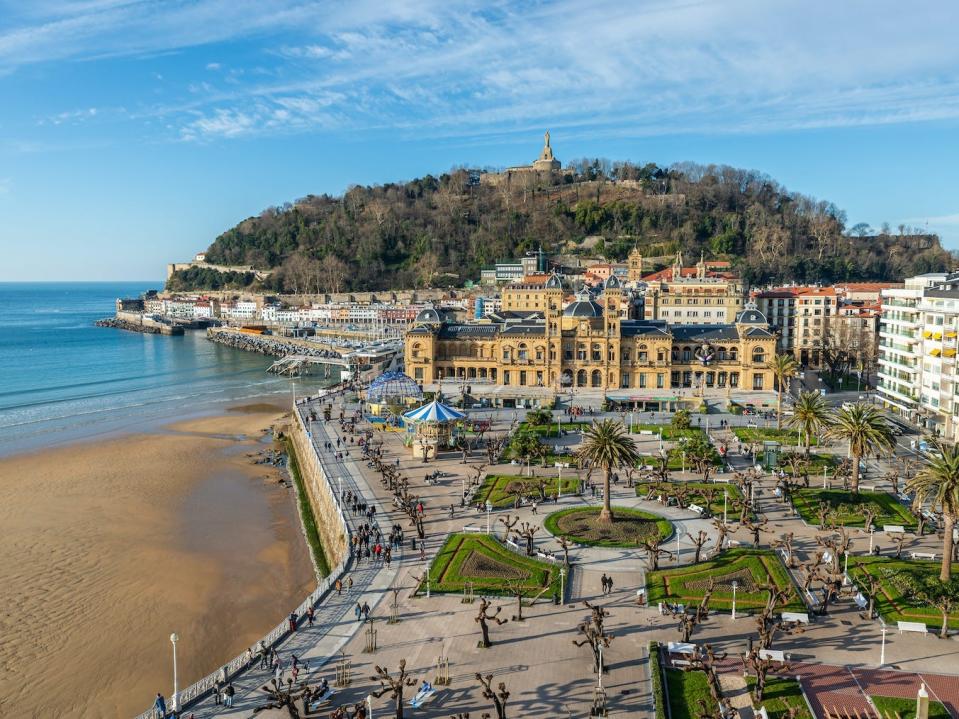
[[446, 570], [672, 585], [891, 603], [656, 674], [844, 504], [551, 525]]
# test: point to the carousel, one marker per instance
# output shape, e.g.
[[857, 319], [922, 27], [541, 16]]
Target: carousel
[[431, 428], [390, 395]]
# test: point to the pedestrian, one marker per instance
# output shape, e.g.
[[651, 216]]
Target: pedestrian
[[366, 610], [310, 616], [229, 692], [534, 507], [293, 621], [339, 586], [609, 585], [216, 691], [159, 706], [349, 584], [249, 657], [358, 611], [603, 582], [278, 674]]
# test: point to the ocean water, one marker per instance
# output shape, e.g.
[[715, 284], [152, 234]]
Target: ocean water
[[63, 380]]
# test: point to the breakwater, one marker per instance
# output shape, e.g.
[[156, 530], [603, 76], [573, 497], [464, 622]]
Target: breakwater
[[150, 328], [267, 344]]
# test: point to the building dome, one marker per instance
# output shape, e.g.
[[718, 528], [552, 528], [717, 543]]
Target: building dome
[[554, 283], [751, 316], [612, 282], [584, 306], [429, 316], [393, 388]]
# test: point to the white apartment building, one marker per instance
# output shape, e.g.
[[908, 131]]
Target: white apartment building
[[917, 351]]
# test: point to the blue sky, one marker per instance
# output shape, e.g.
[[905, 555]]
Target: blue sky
[[132, 132]]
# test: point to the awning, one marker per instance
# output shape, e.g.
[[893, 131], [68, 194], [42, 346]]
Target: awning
[[927, 333], [937, 336], [951, 334], [434, 412], [935, 352], [949, 352]]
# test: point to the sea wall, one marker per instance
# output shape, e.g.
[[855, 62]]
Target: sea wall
[[320, 490]]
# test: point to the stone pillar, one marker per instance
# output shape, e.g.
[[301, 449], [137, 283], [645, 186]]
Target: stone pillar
[[922, 702]]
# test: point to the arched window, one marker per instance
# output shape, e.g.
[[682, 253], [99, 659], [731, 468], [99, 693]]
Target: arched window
[[522, 351], [733, 353], [759, 355], [507, 353], [721, 354], [687, 353], [597, 378], [581, 378], [596, 353], [540, 354], [661, 355], [416, 350]]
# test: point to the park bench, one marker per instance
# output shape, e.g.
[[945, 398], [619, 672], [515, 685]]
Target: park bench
[[798, 617], [922, 555], [773, 655], [646, 431], [697, 509], [722, 480], [861, 601], [319, 705], [680, 662], [471, 529], [918, 627], [893, 529], [423, 696], [762, 713], [511, 543], [545, 555], [867, 487]]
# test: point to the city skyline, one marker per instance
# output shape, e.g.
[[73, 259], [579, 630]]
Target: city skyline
[[143, 130]]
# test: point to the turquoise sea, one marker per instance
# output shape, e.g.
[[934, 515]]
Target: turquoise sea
[[62, 379]]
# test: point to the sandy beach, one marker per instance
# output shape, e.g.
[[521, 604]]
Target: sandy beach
[[108, 547]]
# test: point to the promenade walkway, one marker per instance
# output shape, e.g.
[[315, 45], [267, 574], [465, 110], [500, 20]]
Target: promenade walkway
[[335, 621]]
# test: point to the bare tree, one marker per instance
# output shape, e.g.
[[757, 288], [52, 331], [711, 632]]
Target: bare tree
[[760, 667], [786, 542], [484, 618], [527, 531], [699, 541], [508, 523], [393, 685], [594, 634], [654, 550], [498, 697]]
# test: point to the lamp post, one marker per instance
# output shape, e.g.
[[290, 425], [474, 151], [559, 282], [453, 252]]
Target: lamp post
[[174, 699], [562, 584], [684, 462], [427, 581], [882, 651], [369, 706], [871, 533], [489, 508], [845, 569], [735, 584], [559, 481], [660, 439], [824, 477], [725, 497]]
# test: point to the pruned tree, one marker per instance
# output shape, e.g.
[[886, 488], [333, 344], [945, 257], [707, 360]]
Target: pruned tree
[[499, 697], [699, 541], [565, 545], [724, 530], [527, 531], [595, 635], [393, 685], [508, 523], [755, 527], [689, 620], [786, 542], [707, 661], [484, 618], [654, 550], [281, 698], [760, 667]]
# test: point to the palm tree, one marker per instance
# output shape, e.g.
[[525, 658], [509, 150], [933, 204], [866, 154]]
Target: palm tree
[[866, 430], [811, 414], [783, 367], [938, 482], [607, 445]]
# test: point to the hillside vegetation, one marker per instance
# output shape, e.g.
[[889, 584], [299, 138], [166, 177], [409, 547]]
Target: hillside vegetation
[[439, 231]]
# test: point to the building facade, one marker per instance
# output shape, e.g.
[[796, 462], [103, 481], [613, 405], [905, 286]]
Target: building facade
[[701, 295], [581, 346]]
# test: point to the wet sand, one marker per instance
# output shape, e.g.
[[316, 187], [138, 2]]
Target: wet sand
[[108, 547]]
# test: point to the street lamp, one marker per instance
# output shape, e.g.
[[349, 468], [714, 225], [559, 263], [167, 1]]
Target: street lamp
[[735, 584], [725, 497], [174, 699], [871, 532], [882, 651], [562, 584], [559, 481], [369, 706], [489, 508]]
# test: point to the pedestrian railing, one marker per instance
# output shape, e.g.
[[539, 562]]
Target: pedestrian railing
[[203, 687]]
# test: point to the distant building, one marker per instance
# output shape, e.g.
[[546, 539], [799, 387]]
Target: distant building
[[707, 293], [545, 168]]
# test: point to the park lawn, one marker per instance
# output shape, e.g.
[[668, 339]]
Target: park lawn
[[786, 437], [550, 430], [686, 585], [498, 488], [780, 696], [686, 690], [552, 525], [696, 495], [906, 708], [844, 504], [892, 605], [670, 433], [501, 569]]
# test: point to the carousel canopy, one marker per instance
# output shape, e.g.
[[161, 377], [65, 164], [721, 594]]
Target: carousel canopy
[[434, 412]]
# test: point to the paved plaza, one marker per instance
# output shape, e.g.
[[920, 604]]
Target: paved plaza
[[545, 673]]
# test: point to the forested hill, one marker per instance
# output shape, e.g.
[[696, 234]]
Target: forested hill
[[439, 231]]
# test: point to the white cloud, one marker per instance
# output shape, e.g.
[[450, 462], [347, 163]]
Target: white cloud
[[213, 66]]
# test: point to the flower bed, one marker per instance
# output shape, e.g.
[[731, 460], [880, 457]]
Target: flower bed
[[696, 494], [891, 603], [501, 489], [846, 505], [630, 528]]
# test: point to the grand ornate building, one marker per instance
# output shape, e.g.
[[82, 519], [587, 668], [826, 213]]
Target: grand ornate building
[[582, 346]]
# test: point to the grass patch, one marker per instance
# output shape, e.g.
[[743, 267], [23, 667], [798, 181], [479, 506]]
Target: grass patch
[[750, 568], [686, 691], [846, 506], [492, 568], [501, 489], [891, 603], [580, 525], [906, 708], [703, 494], [786, 437], [670, 433], [780, 695], [306, 513], [550, 430]]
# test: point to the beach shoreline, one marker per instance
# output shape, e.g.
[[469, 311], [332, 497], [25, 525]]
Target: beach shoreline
[[110, 545]]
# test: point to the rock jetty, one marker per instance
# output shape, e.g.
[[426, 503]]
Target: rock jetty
[[266, 345]]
